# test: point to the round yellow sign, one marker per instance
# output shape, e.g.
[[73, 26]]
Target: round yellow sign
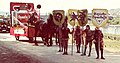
[[58, 17], [77, 17], [99, 17], [82, 17], [72, 15]]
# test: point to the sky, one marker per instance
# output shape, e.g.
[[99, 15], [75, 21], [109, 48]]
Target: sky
[[48, 6]]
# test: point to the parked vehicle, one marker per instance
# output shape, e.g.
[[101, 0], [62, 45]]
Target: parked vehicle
[[4, 26]]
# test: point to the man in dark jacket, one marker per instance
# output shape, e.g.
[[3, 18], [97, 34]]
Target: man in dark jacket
[[99, 44], [78, 38], [88, 40], [65, 36], [65, 32]]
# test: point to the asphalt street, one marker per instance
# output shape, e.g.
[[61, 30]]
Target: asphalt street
[[24, 52], [10, 56]]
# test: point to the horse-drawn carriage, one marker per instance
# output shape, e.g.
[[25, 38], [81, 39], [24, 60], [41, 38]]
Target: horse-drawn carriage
[[25, 21], [21, 14]]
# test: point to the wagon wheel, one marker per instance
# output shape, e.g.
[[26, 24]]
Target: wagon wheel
[[17, 37]]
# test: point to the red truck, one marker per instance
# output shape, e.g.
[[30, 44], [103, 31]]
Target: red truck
[[19, 15]]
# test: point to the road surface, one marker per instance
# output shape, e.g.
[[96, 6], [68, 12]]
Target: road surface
[[43, 54], [10, 56]]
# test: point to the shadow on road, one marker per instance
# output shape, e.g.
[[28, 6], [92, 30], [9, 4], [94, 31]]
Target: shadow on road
[[31, 41]]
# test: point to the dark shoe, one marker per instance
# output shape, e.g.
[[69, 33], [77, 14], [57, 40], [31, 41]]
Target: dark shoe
[[103, 58], [44, 43], [78, 52], [89, 55], [97, 58], [66, 53], [50, 45], [35, 45], [63, 54], [60, 51]]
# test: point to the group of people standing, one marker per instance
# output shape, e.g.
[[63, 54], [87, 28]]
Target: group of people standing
[[95, 36], [81, 36]]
